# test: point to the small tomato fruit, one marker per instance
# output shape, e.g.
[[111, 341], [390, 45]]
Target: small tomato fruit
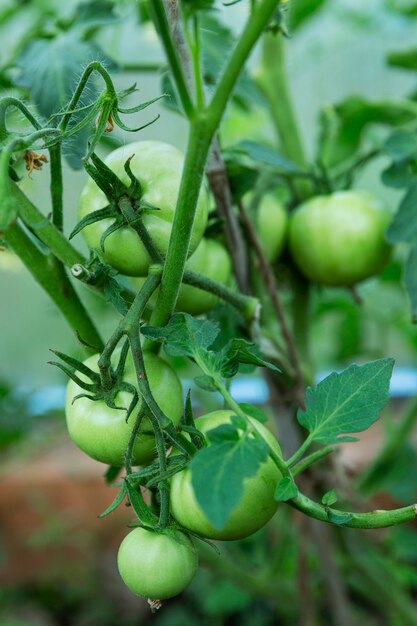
[[256, 506], [339, 240], [158, 167], [102, 432], [157, 565]]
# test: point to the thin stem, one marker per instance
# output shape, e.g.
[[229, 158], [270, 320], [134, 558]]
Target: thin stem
[[312, 458], [157, 11], [52, 278], [299, 453], [132, 439], [195, 57], [143, 385], [272, 289], [374, 519], [247, 305]]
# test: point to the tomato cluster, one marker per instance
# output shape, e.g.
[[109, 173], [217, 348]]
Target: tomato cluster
[[334, 240]]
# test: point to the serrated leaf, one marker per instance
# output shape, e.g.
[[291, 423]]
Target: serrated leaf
[[116, 502], [254, 411], [404, 225], [218, 472], [286, 490], [239, 351], [329, 498], [184, 335], [348, 402]]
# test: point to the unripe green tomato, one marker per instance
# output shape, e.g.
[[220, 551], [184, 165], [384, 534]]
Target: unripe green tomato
[[256, 506], [157, 565], [271, 226], [102, 432], [339, 240], [158, 167], [212, 260]]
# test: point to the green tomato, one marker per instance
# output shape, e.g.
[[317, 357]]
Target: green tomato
[[157, 565], [339, 239], [271, 225], [102, 432], [158, 167], [256, 506], [210, 259]]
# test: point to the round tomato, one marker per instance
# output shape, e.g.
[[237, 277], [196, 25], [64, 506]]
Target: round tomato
[[158, 167], [102, 432], [271, 225], [339, 239], [212, 260], [256, 506], [157, 565]]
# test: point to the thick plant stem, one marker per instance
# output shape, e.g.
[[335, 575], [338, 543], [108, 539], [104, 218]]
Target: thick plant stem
[[271, 78], [51, 276], [202, 129], [198, 145], [56, 186], [44, 229]]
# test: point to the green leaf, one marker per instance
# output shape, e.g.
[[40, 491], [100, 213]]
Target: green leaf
[[264, 155], [343, 125], [286, 489], [218, 472], [329, 498], [225, 432], [94, 13], [254, 411], [184, 335], [116, 502], [410, 279], [239, 422], [112, 473], [398, 175], [407, 59], [348, 402], [401, 145], [205, 382], [404, 225], [238, 351], [143, 513], [302, 10]]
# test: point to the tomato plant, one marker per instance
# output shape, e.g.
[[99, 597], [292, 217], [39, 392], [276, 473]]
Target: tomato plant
[[144, 214], [340, 239], [102, 432], [257, 504], [156, 565], [157, 166]]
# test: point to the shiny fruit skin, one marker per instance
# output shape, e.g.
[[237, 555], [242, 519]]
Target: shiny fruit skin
[[157, 565], [339, 240], [102, 432]]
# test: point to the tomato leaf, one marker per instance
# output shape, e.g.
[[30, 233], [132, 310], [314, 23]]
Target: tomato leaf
[[116, 502], [254, 411], [348, 402], [264, 155], [286, 489], [187, 336], [404, 225], [329, 498], [218, 472]]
